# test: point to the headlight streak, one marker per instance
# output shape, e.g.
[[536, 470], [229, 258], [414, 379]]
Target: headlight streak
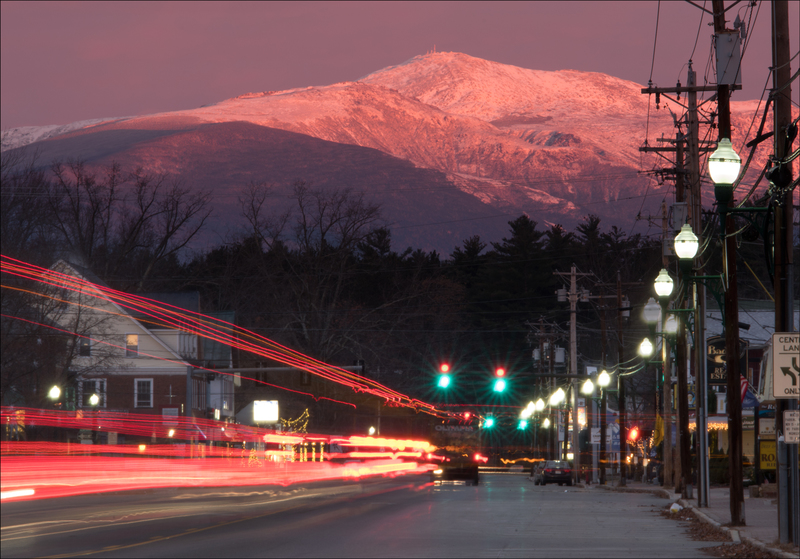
[[41, 470], [211, 328]]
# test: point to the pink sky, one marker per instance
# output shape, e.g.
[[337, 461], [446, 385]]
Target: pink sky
[[65, 61]]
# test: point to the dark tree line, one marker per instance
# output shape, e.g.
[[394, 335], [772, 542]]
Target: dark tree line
[[323, 276]]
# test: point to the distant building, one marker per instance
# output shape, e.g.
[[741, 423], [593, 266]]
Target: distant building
[[136, 363]]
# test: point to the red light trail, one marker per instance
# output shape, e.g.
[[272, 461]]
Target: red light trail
[[208, 327], [39, 470]]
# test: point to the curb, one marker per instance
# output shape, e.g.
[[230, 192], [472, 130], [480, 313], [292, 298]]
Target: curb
[[734, 534], [655, 491]]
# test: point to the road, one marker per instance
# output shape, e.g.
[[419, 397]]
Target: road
[[505, 516]]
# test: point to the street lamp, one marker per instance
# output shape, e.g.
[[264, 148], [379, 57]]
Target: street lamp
[[55, 393], [723, 166], [652, 312], [588, 387], [664, 284], [671, 325], [94, 399], [557, 397], [646, 348], [686, 243], [603, 380], [539, 404]]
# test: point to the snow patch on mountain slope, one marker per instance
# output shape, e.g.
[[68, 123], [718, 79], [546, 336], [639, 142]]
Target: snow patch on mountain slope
[[24, 135]]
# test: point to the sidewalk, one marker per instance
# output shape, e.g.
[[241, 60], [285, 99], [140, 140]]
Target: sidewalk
[[761, 514]]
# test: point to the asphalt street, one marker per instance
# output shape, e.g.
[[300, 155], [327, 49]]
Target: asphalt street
[[504, 516]]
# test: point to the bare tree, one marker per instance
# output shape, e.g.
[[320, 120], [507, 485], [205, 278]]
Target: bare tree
[[311, 257], [124, 223]]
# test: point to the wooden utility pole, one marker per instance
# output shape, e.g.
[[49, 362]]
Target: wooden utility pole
[[603, 402], [666, 389], [733, 392], [788, 492], [691, 141], [698, 295], [573, 365], [623, 431]]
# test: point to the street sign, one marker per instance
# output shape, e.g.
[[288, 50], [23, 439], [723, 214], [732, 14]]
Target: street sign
[[768, 459], [791, 426], [786, 365]]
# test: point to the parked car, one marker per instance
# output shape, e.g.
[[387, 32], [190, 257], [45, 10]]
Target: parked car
[[552, 471]]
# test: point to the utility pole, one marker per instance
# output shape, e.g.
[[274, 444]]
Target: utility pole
[[623, 432], [666, 389], [603, 402], [788, 491], [733, 392], [691, 140], [698, 294], [573, 364]]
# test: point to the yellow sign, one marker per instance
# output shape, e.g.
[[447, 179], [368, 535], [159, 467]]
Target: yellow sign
[[768, 458]]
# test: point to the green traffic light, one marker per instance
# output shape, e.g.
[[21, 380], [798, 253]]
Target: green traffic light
[[499, 385], [489, 423], [523, 424], [444, 381]]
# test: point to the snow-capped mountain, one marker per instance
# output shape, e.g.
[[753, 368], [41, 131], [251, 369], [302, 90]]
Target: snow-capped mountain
[[557, 145]]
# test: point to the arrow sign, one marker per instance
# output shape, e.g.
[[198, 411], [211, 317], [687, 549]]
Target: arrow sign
[[786, 365]]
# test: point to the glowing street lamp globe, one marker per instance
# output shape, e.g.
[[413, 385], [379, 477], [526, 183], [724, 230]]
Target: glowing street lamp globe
[[663, 284], [94, 399], [652, 311], [557, 397], [671, 325], [539, 404], [588, 387], [646, 348], [603, 379], [724, 163], [546, 422], [686, 243], [55, 393]]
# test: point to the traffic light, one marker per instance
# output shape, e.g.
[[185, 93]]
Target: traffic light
[[523, 424], [488, 423], [467, 415], [633, 434], [499, 382], [444, 377]]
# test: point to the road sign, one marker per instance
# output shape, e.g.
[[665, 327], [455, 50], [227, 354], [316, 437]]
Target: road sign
[[786, 365], [791, 426], [769, 458]]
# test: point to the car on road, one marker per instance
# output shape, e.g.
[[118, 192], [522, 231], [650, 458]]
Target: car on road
[[455, 467], [552, 471]]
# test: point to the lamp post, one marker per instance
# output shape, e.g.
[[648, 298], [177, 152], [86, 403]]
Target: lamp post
[[588, 391], [723, 166], [664, 286], [603, 380], [686, 245], [555, 399]]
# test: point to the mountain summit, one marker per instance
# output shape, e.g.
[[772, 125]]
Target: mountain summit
[[449, 144]]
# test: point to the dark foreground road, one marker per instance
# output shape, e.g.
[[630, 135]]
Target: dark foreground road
[[505, 516]]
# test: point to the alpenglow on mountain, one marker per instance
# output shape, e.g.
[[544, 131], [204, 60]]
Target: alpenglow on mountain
[[449, 145]]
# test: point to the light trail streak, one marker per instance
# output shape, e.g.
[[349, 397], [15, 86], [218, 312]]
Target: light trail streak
[[211, 328], [41, 470], [45, 477]]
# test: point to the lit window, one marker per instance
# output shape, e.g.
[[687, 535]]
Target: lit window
[[143, 388], [85, 347], [131, 345]]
